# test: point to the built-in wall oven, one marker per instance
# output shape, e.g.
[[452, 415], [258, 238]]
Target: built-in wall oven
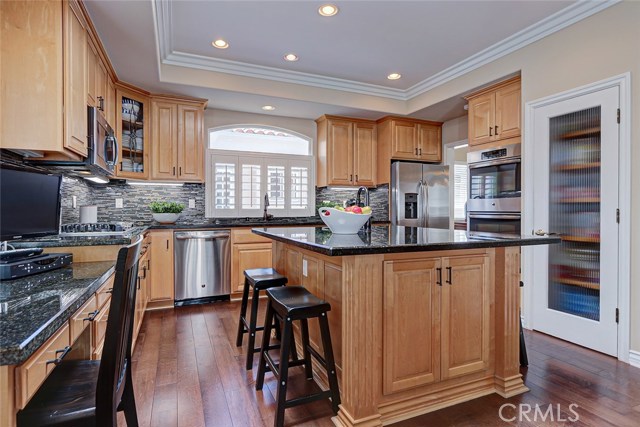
[[494, 190]]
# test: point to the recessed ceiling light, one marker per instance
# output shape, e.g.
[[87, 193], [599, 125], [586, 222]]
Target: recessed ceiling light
[[291, 57], [394, 76], [220, 44], [328, 10], [268, 108]]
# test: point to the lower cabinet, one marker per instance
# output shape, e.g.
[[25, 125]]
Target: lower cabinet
[[248, 250], [443, 307], [160, 269]]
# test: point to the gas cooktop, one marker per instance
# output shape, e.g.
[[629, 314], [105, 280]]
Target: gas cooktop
[[94, 229]]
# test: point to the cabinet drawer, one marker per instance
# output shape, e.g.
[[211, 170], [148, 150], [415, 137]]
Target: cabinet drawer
[[33, 372], [246, 236], [82, 318], [104, 293], [99, 327]]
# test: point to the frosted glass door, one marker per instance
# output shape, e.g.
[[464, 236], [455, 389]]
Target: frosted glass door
[[576, 196]]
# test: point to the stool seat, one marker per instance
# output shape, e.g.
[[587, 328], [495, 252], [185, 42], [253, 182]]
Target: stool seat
[[264, 278], [296, 302]]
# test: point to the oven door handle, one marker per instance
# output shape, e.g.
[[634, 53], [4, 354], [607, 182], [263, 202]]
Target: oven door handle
[[490, 216], [495, 162]]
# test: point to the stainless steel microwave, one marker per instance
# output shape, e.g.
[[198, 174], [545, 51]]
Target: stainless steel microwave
[[102, 150]]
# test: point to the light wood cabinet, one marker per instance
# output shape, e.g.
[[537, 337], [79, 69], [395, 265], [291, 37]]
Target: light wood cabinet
[[443, 308], [110, 104], [142, 291], [411, 305], [82, 318], [248, 250], [346, 152], [161, 266], [494, 113], [132, 130], [401, 138], [177, 139]]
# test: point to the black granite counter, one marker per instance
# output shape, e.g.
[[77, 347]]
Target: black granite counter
[[237, 222], [392, 239], [32, 308]]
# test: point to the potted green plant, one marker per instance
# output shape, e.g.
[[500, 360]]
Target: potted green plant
[[166, 212]]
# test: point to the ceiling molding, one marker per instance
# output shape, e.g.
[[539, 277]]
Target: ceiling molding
[[553, 23]]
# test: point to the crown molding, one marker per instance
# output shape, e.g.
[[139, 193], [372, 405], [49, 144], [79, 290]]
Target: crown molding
[[167, 55]]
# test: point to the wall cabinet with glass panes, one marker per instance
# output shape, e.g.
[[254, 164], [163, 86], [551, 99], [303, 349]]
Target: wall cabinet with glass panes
[[132, 131]]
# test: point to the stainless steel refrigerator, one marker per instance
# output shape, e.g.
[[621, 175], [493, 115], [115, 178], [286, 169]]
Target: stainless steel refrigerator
[[420, 195]]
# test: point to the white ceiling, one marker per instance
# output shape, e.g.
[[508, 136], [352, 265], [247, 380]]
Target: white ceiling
[[344, 60]]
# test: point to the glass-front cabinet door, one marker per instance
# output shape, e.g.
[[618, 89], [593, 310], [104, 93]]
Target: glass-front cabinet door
[[133, 112]]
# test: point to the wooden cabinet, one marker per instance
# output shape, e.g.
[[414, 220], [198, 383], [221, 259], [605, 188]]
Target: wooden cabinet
[[142, 290], [177, 139], [248, 251], [347, 150], [494, 113], [110, 104], [411, 305], [407, 139], [443, 308], [82, 318], [132, 130], [161, 290]]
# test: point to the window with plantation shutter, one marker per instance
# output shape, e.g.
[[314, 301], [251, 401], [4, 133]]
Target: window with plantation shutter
[[460, 177], [238, 180]]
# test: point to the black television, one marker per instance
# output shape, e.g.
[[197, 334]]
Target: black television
[[29, 204]]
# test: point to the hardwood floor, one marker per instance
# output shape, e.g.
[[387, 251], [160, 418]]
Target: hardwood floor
[[188, 372]]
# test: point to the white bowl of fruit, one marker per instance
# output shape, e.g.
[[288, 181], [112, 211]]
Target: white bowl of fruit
[[345, 220]]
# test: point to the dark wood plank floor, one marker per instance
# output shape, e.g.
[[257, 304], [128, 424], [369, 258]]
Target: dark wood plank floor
[[188, 372]]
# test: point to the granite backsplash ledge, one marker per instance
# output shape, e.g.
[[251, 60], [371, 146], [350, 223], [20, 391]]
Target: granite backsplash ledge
[[136, 200]]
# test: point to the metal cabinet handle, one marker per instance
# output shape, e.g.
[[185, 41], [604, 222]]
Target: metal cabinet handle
[[420, 151], [356, 177], [496, 131], [416, 151], [92, 316], [490, 130], [109, 291], [174, 170], [180, 170], [138, 282], [167, 244], [58, 359], [351, 177], [449, 276], [439, 281], [101, 103]]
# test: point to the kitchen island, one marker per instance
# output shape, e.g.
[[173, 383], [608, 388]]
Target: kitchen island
[[421, 318]]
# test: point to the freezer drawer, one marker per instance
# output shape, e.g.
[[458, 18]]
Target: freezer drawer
[[202, 264]]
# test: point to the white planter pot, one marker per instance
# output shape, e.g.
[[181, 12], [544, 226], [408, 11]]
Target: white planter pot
[[166, 218]]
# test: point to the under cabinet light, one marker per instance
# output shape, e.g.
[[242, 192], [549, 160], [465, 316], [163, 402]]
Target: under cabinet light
[[96, 179], [166, 184]]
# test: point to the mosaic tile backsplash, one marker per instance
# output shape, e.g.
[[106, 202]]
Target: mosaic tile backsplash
[[136, 200]]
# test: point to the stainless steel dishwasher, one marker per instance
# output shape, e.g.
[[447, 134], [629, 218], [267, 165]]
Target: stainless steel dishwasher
[[202, 266]]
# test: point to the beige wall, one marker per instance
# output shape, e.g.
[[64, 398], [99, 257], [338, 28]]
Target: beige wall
[[455, 130], [214, 118], [604, 45]]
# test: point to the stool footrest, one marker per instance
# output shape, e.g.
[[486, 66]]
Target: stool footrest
[[318, 357], [271, 347], [307, 399]]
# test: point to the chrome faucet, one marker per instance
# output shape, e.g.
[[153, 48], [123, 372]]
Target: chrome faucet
[[365, 190], [266, 216]]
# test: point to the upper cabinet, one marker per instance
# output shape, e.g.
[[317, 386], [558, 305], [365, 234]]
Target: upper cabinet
[[177, 139], [100, 87], [132, 132], [347, 150], [401, 138], [494, 113]]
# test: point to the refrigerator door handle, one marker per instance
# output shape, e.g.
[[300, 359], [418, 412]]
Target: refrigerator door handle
[[425, 205]]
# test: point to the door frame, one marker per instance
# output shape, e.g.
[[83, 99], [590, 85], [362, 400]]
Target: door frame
[[623, 83]]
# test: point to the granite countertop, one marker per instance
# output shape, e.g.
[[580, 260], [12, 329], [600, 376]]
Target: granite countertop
[[32, 308], [392, 239]]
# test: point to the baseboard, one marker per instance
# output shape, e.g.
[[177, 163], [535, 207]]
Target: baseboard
[[634, 358]]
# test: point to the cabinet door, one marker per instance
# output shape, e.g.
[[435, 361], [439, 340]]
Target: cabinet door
[[164, 136], [507, 123], [313, 280], [403, 140], [246, 256], [110, 104], [333, 295], [340, 153], [132, 113], [429, 143], [101, 87], [364, 153], [466, 311], [161, 264], [75, 78], [411, 330], [481, 119], [190, 143], [92, 65]]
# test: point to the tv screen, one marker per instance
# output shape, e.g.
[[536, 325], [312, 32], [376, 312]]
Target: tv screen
[[29, 204]]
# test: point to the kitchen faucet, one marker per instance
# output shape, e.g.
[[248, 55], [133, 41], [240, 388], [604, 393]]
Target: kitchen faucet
[[365, 190], [266, 216]]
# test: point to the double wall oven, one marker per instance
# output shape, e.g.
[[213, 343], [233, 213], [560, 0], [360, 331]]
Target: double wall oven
[[494, 190]]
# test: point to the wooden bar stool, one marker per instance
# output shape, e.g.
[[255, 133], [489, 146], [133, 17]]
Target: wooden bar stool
[[259, 279], [287, 304]]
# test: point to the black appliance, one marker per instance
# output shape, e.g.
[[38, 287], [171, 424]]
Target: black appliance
[[29, 204]]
